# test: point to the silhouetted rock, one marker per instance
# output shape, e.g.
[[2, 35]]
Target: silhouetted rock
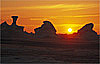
[[14, 20], [12, 31], [12, 27], [87, 32], [46, 30]]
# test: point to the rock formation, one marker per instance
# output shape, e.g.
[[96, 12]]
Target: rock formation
[[46, 30], [13, 27], [87, 32], [11, 31]]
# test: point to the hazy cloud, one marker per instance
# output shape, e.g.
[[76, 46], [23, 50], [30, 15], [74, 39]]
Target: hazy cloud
[[63, 7]]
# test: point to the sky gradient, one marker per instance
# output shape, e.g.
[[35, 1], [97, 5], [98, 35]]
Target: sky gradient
[[63, 14]]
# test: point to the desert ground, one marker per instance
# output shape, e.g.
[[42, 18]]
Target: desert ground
[[49, 51]]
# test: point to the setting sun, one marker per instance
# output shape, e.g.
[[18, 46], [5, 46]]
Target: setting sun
[[69, 30]]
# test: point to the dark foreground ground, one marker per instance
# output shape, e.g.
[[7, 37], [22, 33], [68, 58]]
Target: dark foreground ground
[[18, 51]]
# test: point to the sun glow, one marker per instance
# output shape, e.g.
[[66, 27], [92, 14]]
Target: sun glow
[[69, 30]]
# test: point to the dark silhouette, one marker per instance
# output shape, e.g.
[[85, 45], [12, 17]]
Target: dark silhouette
[[18, 46], [13, 26], [46, 30], [87, 32], [13, 30], [14, 20]]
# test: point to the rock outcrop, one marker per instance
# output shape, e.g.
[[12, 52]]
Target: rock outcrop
[[87, 32], [12, 31], [46, 30]]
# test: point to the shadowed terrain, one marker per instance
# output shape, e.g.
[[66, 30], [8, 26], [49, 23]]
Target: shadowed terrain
[[32, 51]]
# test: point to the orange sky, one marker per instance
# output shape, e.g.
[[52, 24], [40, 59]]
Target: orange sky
[[63, 14]]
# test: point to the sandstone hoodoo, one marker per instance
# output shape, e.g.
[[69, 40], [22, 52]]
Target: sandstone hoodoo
[[87, 32], [11, 31], [46, 30]]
